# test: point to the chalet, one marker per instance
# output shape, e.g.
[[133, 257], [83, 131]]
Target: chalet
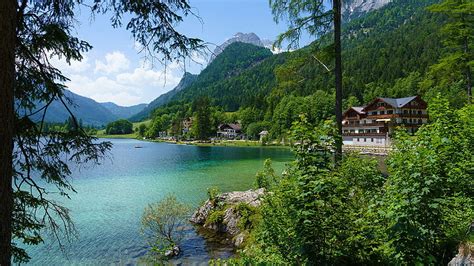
[[373, 124], [229, 131]]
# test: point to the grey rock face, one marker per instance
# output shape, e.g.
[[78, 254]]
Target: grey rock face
[[251, 38], [355, 8]]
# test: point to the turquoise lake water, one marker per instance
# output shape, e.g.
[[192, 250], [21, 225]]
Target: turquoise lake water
[[111, 197]]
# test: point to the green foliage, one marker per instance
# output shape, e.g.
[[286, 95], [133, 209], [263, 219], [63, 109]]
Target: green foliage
[[458, 61], [249, 216], [430, 194], [266, 178], [160, 123], [254, 129], [212, 193], [320, 213], [216, 217], [163, 224], [202, 125], [119, 127], [141, 130]]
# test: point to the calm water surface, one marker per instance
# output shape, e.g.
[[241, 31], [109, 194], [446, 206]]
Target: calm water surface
[[111, 197]]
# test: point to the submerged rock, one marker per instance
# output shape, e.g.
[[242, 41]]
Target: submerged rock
[[222, 215], [174, 252]]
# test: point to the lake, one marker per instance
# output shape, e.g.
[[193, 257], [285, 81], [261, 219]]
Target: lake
[[110, 198]]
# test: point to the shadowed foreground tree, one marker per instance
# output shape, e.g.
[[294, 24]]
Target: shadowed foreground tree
[[31, 159], [313, 17]]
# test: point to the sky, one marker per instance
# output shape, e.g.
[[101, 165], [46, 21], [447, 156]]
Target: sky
[[114, 71]]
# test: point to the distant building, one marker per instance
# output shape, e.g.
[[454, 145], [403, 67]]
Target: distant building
[[229, 131], [373, 124]]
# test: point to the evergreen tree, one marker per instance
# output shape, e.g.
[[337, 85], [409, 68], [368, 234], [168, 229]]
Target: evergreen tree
[[202, 124], [459, 40]]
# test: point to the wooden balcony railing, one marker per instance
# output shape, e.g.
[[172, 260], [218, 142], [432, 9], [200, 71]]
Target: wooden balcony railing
[[378, 124], [375, 134]]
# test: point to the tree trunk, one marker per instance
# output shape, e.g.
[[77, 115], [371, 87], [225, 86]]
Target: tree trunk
[[338, 75], [7, 80]]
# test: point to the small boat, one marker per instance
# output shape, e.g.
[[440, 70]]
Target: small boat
[[138, 147]]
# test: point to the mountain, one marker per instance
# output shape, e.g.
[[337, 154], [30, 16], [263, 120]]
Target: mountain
[[88, 111], [356, 8], [386, 52], [124, 111], [233, 62], [186, 81], [250, 38]]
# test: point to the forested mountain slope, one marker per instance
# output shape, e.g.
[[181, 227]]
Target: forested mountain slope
[[398, 41]]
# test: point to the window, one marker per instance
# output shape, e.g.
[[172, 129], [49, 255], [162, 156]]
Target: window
[[358, 139], [389, 112], [365, 140], [372, 140], [382, 112], [405, 112], [420, 112], [404, 121], [420, 121]]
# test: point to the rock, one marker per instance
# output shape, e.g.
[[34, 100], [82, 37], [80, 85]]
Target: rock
[[173, 252], [465, 256], [230, 215], [200, 216], [239, 239]]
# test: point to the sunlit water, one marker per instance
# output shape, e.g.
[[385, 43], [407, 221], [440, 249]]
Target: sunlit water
[[111, 197]]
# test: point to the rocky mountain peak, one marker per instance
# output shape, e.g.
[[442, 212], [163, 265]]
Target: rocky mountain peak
[[251, 38], [356, 8]]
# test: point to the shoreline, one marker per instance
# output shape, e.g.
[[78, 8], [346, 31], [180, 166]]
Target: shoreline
[[222, 143]]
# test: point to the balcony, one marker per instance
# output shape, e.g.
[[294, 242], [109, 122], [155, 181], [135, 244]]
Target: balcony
[[390, 116], [377, 124], [364, 134]]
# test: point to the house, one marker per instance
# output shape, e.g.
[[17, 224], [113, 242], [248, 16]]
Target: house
[[229, 131], [373, 124]]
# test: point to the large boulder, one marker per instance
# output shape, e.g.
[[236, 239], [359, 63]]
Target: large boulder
[[221, 214]]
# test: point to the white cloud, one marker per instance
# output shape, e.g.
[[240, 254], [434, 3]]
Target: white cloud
[[114, 63], [73, 67], [141, 85], [115, 81]]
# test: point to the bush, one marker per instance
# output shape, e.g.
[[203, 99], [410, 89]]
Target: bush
[[163, 224], [212, 193], [266, 178], [249, 216], [215, 217]]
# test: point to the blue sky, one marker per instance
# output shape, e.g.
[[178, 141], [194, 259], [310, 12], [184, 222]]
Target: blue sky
[[114, 71]]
